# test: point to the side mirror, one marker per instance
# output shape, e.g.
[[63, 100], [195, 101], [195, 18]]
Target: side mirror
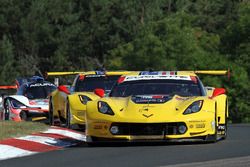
[[218, 91], [64, 89], [99, 92]]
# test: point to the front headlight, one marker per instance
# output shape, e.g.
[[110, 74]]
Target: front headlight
[[84, 99], [194, 107], [104, 108]]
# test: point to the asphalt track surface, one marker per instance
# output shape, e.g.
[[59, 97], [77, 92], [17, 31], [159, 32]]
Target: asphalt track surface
[[235, 150]]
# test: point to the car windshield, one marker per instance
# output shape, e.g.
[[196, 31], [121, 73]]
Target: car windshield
[[37, 90], [157, 87], [89, 83]]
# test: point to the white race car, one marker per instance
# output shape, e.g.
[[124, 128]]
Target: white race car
[[31, 100]]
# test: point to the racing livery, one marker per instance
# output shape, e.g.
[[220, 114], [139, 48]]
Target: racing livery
[[30, 101], [164, 105], [68, 105]]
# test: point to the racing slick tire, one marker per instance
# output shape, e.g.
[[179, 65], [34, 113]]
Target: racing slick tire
[[225, 129], [24, 116], [213, 138], [226, 122], [90, 142], [6, 111], [51, 116], [225, 133], [68, 116]]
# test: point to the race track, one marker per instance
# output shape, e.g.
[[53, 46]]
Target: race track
[[237, 146]]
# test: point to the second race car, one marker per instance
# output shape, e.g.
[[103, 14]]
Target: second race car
[[67, 106], [5, 91], [30, 101]]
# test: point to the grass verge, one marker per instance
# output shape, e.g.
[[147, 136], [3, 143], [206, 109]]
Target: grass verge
[[9, 129]]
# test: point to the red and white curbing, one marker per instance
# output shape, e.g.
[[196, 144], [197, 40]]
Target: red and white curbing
[[54, 138]]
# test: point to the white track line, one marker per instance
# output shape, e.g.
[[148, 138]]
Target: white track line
[[39, 139], [66, 133], [13, 152], [228, 162]]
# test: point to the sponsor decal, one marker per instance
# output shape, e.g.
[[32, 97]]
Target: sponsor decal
[[221, 127], [182, 98], [100, 73], [149, 77], [158, 73], [80, 113], [92, 76], [38, 102], [200, 125], [150, 99], [41, 84], [102, 123], [97, 126], [149, 73]]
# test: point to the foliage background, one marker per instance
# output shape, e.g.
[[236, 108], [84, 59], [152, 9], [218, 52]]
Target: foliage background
[[45, 35]]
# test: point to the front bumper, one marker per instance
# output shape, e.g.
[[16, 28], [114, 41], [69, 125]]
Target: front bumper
[[161, 131]]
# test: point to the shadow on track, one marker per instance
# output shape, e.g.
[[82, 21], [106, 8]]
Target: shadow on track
[[138, 144]]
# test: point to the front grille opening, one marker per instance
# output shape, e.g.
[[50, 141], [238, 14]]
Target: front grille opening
[[148, 128]]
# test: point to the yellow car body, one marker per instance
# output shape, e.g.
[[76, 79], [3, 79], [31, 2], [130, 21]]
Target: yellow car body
[[68, 105], [130, 115]]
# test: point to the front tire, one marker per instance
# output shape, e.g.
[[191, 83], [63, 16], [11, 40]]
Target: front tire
[[225, 129], [51, 115], [225, 132], [213, 138], [6, 111], [68, 116], [24, 116]]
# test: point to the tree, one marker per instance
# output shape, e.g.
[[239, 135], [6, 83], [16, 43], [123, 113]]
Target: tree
[[7, 62]]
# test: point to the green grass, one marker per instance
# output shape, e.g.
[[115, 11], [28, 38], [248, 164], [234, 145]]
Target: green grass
[[9, 129]]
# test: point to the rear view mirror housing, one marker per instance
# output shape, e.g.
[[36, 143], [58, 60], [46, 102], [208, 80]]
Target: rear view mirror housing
[[99, 92], [64, 89], [218, 91]]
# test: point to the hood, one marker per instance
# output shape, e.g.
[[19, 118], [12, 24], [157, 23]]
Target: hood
[[149, 108]]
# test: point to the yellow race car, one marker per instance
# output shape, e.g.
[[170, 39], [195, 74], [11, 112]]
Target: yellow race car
[[162, 105], [67, 105]]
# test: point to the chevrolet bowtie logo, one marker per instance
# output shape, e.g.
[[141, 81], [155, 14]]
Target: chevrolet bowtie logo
[[147, 116]]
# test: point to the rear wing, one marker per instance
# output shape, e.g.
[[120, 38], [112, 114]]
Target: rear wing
[[63, 73], [210, 72], [88, 73], [109, 73], [213, 72], [58, 74], [8, 87], [6, 90]]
